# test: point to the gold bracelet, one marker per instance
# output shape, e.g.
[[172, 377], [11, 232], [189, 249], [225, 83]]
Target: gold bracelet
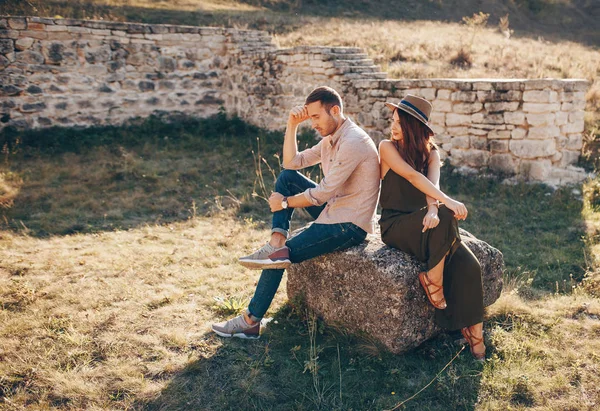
[[435, 204]]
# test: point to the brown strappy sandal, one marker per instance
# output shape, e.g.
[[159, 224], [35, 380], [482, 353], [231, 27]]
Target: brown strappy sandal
[[473, 342], [426, 283]]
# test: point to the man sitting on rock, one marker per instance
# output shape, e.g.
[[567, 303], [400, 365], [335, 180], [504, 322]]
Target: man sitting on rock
[[343, 203]]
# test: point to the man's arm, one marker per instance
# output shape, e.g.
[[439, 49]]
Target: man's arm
[[292, 160], [297, 201]]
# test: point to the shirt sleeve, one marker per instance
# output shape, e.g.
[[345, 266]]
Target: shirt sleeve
[[306, 158], [347, 159]]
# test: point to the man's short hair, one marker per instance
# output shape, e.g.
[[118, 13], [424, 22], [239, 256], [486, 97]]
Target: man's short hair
[[327, 96]]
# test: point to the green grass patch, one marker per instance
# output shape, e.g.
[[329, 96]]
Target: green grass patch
[[539, 230], [119, 318]]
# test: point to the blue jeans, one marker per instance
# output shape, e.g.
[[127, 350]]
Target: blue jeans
[[316, 240]]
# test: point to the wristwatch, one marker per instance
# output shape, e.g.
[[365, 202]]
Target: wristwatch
[[284, 203]]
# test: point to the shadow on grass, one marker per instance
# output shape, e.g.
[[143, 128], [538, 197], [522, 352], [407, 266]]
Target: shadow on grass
[[162, 169], [575, 20], [352, 373], [539, 230]]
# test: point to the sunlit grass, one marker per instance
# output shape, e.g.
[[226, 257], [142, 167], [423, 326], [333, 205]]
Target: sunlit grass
[[117, 315]]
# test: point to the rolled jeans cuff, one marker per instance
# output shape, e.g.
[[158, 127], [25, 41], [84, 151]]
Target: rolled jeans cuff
[[253, 317], [280, 231]]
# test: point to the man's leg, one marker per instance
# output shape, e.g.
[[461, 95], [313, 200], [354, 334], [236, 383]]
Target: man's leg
[[274, 254], [316, 240]]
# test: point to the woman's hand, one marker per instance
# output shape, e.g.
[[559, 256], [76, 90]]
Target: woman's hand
[[431, 219], [459, 209]]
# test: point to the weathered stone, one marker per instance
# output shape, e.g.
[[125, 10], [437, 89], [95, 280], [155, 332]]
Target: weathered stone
[[502, 106], [483, 118], [499, 134], [461, 142], [457, 131], [479, 143], [33, 107], [540, 96], [104, 88], [541, 107], [574, 142], [17, 23], [24, 43], [546, 119], [39, 35], [577, 117], [517, 118], [570, 128], [10, 90], [543, 133], [30, 57], [444, 94], [468, 96], [453, 119], [530, 149], [536, 170], [115, 65], [442, 106], [9, 34], [504, 163], [499, 146], [518, 133], [7, 46], [499, 96], [476, 158], [340, 288], [36, 26], [570, 175], [146, 86], [467, 108], [98, 54], [54, 53], [167, 64], [569, 157], [34, 90]]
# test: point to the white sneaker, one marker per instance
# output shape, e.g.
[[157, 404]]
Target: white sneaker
[[267, 257], [237, 327]]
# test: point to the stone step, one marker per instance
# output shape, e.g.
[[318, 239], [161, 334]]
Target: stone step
[[347, 50], [357, 69], [357, 62], [365, 76]]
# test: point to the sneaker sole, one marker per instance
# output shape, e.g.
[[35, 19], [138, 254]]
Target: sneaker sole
[[237, 335], [265, 264]]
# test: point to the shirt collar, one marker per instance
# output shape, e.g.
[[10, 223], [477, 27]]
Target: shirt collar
[[334, 138]]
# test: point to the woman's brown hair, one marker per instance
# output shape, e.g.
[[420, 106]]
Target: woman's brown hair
[[416, 143]]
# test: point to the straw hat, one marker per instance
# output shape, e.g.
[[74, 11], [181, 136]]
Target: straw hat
[[415, 106]]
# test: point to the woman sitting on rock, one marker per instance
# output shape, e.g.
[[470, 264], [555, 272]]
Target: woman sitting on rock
[[421, 220]]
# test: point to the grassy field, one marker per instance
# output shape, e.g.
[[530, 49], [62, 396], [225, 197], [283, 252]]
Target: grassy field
[[118, 245], [117, 255]]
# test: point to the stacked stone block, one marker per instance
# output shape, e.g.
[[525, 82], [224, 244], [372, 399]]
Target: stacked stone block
[[82, 73], [531, 128]]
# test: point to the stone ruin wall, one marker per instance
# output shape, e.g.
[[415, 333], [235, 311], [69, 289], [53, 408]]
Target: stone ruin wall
[[63, 72]]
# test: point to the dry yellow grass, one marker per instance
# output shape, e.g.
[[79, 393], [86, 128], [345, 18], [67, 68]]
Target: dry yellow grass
[[102, 320], [423, 49]]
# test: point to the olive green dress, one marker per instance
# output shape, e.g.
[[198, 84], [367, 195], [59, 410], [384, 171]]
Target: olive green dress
[[404, 208]]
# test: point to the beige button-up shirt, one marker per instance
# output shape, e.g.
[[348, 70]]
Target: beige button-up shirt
[[350, 185]]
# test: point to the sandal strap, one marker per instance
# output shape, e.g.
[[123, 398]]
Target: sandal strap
[[436, 287], [471, 339]]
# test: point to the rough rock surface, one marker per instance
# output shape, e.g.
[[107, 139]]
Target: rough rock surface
[[373, 289]]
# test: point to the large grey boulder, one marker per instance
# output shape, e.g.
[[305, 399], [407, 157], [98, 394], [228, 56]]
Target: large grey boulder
[[374, 289]]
